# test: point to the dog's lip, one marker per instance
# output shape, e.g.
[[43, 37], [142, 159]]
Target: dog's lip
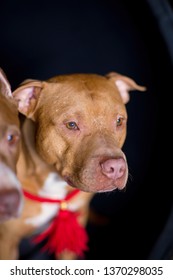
[[69, 181], [106, 189]]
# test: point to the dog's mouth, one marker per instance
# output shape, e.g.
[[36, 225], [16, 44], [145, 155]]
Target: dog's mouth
[[77, 184], [99, 175], [69, 181], [96, 187]]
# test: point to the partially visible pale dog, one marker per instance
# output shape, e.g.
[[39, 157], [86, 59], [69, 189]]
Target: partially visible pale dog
[[11, 199]]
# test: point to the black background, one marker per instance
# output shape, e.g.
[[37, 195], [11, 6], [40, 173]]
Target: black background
[[40, 39]]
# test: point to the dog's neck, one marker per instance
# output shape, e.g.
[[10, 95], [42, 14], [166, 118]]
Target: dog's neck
[[32, 171]]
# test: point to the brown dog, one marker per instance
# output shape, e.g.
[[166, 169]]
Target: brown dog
[[80, 127], [11, 198]]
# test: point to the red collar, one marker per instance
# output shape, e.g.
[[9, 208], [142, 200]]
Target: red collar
[[64, 232], [50, 200]]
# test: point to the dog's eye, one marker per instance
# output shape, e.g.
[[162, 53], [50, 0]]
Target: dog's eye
[[119, 121], [12, 139], [72, 125]]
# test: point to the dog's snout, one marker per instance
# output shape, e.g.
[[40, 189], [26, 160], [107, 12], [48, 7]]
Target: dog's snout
[[114, 168]]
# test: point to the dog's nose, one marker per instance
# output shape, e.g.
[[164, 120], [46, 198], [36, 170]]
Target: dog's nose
[[114, 168], [9, 202]]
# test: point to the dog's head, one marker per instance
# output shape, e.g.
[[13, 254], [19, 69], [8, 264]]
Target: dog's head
[[81, 126], [10, 188]]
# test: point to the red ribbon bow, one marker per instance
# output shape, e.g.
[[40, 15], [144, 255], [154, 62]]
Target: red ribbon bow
[[64, 232]]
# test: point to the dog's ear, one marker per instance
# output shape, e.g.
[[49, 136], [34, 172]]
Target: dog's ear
[[124, 85], [5, 87], [27, 95]]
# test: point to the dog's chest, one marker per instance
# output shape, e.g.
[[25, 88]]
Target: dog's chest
[[53, 188]]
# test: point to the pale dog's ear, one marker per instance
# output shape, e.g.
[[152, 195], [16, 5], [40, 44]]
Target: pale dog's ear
[[5, 88], [124, 85], [27, 95]]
